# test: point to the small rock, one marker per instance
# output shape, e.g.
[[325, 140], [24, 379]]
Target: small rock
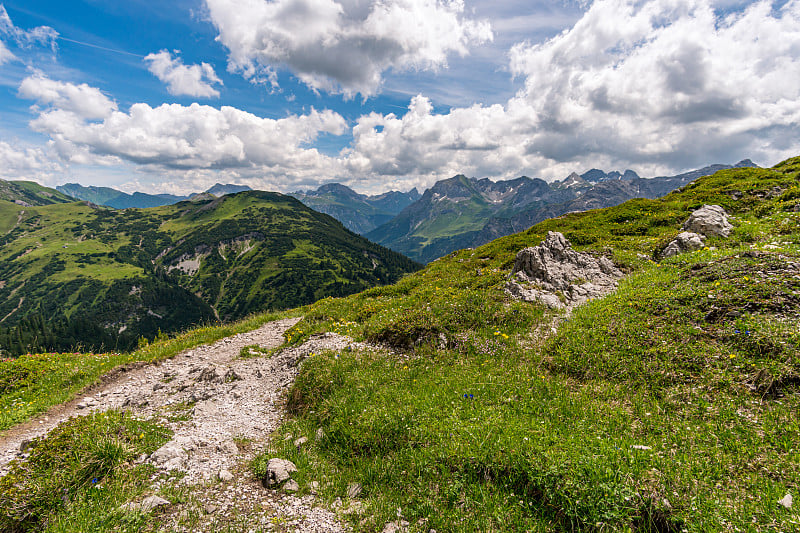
[[210, 508], [313, 487], [199, 396], [279, 470], [354, 490], [640, 447], [228, 446], [320, 435], [291, 486], [395, 527], [147, 505], [225, 475], [231, 375], [170, 456], [158, 386], [683, 243], [786, 501], [151, 502], [299, 442], [210, 373]]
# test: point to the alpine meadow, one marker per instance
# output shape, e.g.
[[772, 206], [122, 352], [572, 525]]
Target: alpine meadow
[[400, 266]]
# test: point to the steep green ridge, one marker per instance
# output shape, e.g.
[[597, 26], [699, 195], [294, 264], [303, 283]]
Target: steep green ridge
[[358, 212], [668, 406], [75, 274], [29, 193], [463, 212]]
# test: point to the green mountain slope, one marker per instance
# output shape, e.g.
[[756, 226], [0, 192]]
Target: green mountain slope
[[76, 273], [29, 193]]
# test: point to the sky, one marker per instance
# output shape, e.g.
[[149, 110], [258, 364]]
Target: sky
[[287, 95]]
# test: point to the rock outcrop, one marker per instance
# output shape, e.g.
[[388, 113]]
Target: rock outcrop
[[557, 276], [709, 220]]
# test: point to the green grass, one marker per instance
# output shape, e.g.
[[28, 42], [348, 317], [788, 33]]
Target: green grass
[[8, 216], [31, 384], [78, 476], [667, 406]]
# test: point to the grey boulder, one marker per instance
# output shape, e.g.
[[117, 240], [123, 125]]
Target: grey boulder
[[279, 470], [709, 220], [685, 242]]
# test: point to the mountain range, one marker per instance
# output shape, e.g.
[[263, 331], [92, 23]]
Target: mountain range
[[77, 273], [109, 197], [463, 212], [358, 212]]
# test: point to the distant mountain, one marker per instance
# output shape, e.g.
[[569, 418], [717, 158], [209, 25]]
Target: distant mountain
[[221, 190], [117, 199], [120, 200], [83, 274], [463, 212], [29, 193], [358, 212], [596, 175]]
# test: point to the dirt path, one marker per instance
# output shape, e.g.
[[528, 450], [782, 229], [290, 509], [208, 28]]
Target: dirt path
[[222, 409]]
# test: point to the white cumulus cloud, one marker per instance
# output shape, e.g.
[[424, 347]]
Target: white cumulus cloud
[[342, 46], [183, 80], [27, 163], [81, 100], [194, 137]]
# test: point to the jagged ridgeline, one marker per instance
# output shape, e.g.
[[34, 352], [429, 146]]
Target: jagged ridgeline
[[74, 274]]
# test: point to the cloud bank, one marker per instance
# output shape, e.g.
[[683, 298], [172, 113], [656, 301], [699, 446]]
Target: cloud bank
[[660, 86], [183, 80], [175, 136], [345, 46]]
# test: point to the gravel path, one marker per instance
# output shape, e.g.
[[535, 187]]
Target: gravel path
[[222, 409]]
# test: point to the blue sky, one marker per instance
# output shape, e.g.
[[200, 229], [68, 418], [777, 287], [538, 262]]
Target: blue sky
[[289, 94]]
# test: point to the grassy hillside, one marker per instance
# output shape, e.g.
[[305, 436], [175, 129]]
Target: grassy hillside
[[73, 274], [669, 406]]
